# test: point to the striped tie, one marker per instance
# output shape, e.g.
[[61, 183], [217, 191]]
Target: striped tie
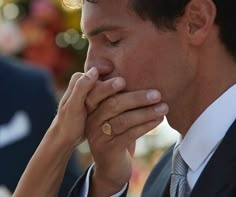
[[178, 184]]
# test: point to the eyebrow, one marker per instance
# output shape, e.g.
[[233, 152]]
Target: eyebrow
[[102, 29]]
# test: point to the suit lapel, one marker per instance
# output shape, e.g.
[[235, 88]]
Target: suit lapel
[[166, 192], [219, 176]]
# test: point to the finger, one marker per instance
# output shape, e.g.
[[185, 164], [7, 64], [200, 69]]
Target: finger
[[82, 87], [130, 136], [71, 85], [131, 148], [120, 103], [103, 90], [132, 118]]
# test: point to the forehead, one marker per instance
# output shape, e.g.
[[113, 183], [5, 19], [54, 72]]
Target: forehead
[[106, 12]]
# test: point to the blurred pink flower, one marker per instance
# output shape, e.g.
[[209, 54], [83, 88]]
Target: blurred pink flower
[[11, 38]]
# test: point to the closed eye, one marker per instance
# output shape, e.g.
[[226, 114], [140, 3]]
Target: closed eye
[[114, 43]]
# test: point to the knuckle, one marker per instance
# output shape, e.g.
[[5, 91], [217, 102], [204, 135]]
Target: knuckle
[[112, 103], [77, 85], [131, 136], [80, 82], [80, 86], [122, 122], [90, 104], [75, 76]]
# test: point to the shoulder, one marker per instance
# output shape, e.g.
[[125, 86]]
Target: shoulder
[[19, 73], [163, 161], [159, 175], [20, 69]]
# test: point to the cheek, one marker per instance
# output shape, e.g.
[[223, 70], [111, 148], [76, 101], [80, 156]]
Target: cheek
[[136, 62], [137, 69], [151, 64], [156, 70]]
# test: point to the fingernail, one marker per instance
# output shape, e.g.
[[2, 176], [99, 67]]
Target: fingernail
[[92, 73], [118, 83], [161, 109], [153, 95]]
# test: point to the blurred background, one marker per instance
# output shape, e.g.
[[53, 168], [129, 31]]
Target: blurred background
[[47, 34]]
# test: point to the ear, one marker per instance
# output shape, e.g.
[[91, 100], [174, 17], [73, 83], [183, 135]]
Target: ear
[[200, 16]]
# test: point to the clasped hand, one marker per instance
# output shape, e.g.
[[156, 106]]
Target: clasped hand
[[88, 103]]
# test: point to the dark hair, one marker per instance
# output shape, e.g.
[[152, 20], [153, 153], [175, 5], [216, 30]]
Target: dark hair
[[165, 13]]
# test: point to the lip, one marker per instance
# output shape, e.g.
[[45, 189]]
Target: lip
[[106, 77]]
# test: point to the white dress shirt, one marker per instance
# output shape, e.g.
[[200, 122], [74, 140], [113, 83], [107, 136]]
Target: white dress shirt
[[206, 133], [203, 138]]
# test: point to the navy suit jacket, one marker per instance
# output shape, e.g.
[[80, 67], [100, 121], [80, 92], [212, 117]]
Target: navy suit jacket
[[27, 107], [218, 179]]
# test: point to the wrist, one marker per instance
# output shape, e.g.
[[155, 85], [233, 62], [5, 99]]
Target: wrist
[[64, 136], [59, 142], [102, 185]]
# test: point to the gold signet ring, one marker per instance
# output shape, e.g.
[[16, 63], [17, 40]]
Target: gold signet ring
[[106, 128]]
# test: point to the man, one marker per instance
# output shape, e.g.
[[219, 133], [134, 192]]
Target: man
[[187, 50], [27, 106]]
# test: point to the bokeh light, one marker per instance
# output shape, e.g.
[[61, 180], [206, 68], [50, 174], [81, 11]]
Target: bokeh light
[[60, 41], [10, 11], [71, 37], [73, 4], [1, 2]]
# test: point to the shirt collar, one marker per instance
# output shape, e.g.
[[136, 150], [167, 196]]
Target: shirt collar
[[208, 130]]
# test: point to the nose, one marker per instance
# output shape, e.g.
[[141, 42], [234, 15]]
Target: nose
[[97, 60]]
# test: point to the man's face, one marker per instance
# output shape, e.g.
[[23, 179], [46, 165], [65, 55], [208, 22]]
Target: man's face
[[122, 44]]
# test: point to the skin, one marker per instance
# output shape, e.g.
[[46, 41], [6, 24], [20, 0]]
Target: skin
[[67, 129], [150, 59], [133, 58], [179, 64], [45, 179]]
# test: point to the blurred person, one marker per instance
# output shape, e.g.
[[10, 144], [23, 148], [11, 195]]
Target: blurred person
[[27, 106], [186, 50]]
